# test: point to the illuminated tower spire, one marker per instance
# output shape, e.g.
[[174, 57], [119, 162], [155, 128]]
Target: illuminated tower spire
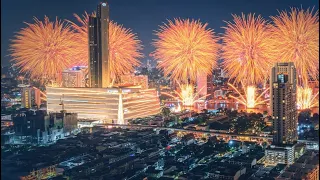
[[120, 109]]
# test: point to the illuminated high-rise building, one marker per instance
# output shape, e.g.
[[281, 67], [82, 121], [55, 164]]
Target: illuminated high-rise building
[[30, 97], [74, 77], [99, 65], [131, 79], [283, 87], [283, 96]]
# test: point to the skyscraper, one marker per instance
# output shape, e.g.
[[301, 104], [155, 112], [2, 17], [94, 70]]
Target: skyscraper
[[99, 65], [283, 86], [283, 103]]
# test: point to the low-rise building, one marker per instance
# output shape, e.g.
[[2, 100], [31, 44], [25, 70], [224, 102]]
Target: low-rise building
[[226, 171], [305, 168], [188, 139], [279, 154]]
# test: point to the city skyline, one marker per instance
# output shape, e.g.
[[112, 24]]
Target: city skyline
[[211, 12], [234, 94]]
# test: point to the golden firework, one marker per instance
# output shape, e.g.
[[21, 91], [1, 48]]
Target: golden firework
[[124, 47], [249, 98], [295, 36], [186, 95], [184, 49], [81, 58], [43, 49], [246, 51], [306, 99]]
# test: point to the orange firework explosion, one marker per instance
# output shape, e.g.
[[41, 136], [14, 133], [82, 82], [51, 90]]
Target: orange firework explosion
[[124, 46], [296, 38], [246, 51], [305, 98], [81, 59], [184, 49], [43, 49]]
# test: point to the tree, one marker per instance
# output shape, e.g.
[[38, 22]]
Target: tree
[[315, 117], [205, 111], [265, 113], [165, 111], [259, 115]]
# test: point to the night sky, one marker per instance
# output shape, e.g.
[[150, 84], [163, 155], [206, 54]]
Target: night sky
[[142, 16]]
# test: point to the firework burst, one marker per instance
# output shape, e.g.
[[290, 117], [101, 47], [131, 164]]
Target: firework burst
[[306, 99], [186, 95], [246, 50], [249, 99], [124, 47], [296, 38], [124, 50], [184, 49], [43, 49], [81, 58]]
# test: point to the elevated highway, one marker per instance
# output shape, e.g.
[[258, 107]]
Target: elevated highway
[[212, 132]]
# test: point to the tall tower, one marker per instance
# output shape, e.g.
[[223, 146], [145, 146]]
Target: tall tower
[[99, 65], [283, 84]]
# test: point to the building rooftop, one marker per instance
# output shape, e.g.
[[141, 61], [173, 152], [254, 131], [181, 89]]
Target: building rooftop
[[305, 164]]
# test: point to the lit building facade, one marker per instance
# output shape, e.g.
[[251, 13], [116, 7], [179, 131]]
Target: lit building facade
[[202, 85], [107, 104], [131, 79], [283, 87], [74, 77], [99, 65], [30, 97], [210, 87], [283, 103], [279, 155]]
